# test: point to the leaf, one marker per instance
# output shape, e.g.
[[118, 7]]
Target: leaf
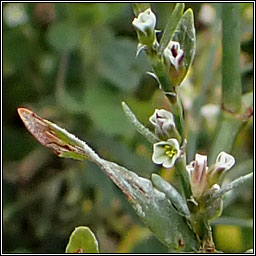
[[50, 135], [152, 206], [104, 108], [82, 240], [232, 185], [139, 126], [171, 26], [172, 194], [186, 36], [245, 223]]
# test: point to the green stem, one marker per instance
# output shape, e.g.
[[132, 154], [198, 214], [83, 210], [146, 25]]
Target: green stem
[[231, 77], [226, 134]]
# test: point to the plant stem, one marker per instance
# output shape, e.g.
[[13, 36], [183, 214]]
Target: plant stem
[[231, 77]]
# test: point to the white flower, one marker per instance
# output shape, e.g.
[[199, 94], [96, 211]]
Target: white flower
[[166, 152], [145, 22], [174, 54], [198, 175], [163, 121], [224, 162]]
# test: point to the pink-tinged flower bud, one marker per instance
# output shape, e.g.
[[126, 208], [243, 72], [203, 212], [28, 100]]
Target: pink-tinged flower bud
[[198, 173], [163, 122], [173, 56], [224, 162]]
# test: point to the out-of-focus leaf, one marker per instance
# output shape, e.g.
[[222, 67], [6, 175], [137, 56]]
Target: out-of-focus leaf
[[82, 240], [104, 108], [118, 64], [186, 36], [171, 25], [63, 36], [245, 223]]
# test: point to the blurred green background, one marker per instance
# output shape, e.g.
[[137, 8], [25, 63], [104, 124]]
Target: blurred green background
[[73, 63]]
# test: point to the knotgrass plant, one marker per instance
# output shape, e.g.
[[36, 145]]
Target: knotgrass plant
[[179, 216]]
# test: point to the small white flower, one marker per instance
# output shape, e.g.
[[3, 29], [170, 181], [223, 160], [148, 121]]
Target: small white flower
[[174, 54], [198, 175], [145, 22], [163, 121], [224, 162], [166, 152]]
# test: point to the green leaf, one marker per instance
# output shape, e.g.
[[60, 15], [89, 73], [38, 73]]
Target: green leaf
[[104, 108], [172, 194], [186, 36], [171, 26], [234, 184], [82, 240], [153, 207]]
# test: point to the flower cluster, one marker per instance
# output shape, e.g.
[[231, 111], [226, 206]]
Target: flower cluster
[[145, 26], [202, 178]]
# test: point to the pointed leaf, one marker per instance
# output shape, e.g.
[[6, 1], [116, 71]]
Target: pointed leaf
[[153, 207], [82, 240], [171, 26], [50, 135], [172, 194], [186, 36]]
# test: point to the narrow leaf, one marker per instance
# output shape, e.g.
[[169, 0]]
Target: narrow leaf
[[171, 26], [234, 184], [50, 135], [138, 125], [152, 206], [82, 240], [186, 36], [172, 194]]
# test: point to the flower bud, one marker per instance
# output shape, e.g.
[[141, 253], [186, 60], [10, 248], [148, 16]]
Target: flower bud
[[198, 173], [223, 163], [166, 152], [173, 56], [163, 122], [145, 25]]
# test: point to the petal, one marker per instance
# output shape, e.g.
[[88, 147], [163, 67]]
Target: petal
[[224, 161], [169, 162]]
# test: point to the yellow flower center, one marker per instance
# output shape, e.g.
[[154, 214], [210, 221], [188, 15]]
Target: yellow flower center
[[169, 151]]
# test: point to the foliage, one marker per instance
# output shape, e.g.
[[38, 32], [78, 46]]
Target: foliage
[[79, 80]]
